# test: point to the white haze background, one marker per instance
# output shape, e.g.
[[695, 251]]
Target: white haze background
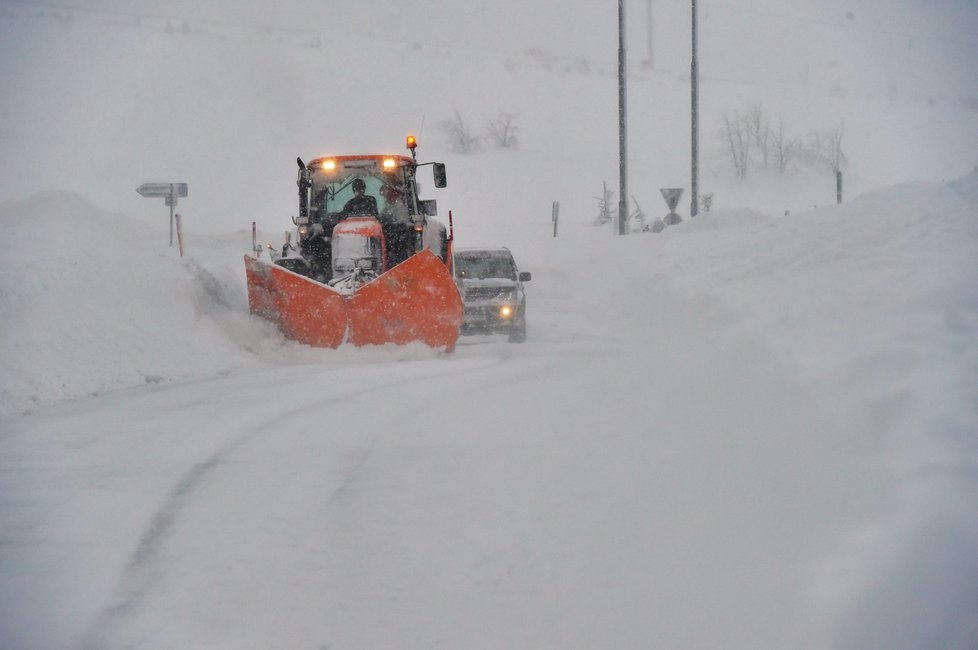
[[754, 430]]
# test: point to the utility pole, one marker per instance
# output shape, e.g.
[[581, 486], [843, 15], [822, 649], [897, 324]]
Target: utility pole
[[622, 138], [650, 62], [694, 121]]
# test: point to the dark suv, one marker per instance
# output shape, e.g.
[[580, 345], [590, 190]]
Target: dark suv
[[492, 290]]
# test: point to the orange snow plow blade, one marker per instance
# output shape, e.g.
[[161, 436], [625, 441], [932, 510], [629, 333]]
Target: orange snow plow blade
[[415, 301], [304, 310]]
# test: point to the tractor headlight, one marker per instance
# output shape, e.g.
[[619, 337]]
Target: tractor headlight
[[505, 311], [303, 232]]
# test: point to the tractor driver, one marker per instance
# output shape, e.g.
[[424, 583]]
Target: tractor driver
[[360, 205]]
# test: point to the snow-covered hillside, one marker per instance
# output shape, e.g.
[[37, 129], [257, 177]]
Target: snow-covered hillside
[[224, 97], [756, 429]]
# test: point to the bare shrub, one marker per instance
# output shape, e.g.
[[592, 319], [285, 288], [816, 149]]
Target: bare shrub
[[606, 213], [750, 141], [736, 134], [706, 201], [503, 131], [826, 146], [758, 127], [783, 148], [461, 138]]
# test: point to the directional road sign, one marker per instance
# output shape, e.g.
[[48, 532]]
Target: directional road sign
[[150, 190], [170, 193]]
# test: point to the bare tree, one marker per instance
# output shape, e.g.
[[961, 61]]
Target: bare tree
[[738, 141], [758, 127], [750, 140], [503, 130], [462, 139], [837, 157], [827, 148], [782, 147]]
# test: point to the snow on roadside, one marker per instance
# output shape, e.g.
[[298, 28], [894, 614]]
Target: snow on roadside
[[92, 301], [873, 305]]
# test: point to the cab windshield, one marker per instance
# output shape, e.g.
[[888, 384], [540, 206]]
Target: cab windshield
[[385, 193]]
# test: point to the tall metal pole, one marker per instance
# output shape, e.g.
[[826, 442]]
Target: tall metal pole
[[622, 139], [648, 15], [694, 121]]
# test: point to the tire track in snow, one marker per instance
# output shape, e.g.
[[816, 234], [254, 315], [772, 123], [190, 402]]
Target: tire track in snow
[[142, 573], [144, 570]]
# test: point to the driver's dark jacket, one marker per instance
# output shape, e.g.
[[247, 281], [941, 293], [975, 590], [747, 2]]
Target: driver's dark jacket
[[361, 206]]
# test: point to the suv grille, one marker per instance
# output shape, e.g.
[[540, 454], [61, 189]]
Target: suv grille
[[486, 293]]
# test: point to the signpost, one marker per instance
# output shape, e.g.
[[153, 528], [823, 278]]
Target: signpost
[[694, 207], [170, 193]]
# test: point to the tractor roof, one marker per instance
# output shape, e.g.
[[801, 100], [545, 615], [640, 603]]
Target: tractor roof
[[351, 162]]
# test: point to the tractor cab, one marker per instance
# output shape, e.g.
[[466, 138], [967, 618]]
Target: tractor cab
[[344, 186], [383, 187]]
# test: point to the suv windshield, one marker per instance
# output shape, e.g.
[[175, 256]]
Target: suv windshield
[[485, 264]]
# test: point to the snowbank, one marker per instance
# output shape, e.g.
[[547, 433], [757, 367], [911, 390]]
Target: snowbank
[[92, 301]]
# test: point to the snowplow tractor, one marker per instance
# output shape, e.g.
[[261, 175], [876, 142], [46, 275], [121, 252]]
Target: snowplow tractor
[[366, 263]]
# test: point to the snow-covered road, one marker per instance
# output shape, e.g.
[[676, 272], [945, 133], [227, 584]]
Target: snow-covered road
[[628, 474]]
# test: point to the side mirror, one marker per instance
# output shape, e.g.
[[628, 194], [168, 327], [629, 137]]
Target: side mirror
[[429, 208], [300, 221], [524, 276], [438, 170]]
